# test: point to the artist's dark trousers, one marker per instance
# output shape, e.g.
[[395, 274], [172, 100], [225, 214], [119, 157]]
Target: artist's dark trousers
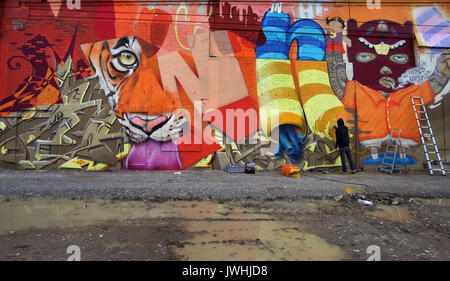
[[343, 151]]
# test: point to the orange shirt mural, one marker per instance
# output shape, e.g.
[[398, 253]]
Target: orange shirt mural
[[377, 115]]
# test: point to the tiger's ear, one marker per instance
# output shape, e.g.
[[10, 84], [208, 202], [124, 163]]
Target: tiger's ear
[[86, 48], [92, 52], [148, 49]]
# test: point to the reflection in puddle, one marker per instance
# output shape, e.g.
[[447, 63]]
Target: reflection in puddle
[[255, 240], [61, 213], [443, 202], [394, 213], [250, 234], [238, 230]]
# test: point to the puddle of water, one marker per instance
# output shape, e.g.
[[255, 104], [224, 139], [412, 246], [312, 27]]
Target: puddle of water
[[247, 237], [394, 213], [440, 205], [228, 231], [443, 202], [297, 206], [60, 213], [255, 240]]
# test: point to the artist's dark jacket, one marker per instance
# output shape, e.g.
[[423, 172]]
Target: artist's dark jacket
[[342, 139]]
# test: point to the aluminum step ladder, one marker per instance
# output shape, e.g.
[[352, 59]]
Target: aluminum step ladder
[[426, 133], [394, 145]]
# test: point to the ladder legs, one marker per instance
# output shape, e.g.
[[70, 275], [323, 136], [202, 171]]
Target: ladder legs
[[392, 147], [417, 102]]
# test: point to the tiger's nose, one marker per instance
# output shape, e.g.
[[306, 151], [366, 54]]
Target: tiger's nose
[[148, 125]]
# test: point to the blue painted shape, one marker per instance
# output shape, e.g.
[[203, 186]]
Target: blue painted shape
[[310, 38], [285, 142], [279, 151], [275, 27], [291, 142], [295, 156], [398, 160], [425, 16]]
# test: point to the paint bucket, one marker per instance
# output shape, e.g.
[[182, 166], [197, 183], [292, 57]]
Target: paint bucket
[[374, 152], [291, 171]]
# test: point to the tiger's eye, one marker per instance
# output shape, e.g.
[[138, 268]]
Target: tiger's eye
[[127, 58]]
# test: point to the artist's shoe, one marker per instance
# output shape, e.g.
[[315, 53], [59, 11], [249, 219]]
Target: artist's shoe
[[353, 171], [344, 173]]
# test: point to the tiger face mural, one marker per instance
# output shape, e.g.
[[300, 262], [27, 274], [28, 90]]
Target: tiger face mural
[[128, 77], [128, 72]]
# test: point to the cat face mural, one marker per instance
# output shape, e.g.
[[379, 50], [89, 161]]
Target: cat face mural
[[381, 52]]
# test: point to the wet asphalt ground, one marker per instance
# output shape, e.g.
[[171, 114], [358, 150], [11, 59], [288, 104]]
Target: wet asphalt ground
[[214, 185], [213, 215]]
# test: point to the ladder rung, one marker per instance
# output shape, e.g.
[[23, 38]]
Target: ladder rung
[[385, 170]]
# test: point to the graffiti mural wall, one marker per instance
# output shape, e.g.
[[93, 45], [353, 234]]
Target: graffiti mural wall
[[163, 85]]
